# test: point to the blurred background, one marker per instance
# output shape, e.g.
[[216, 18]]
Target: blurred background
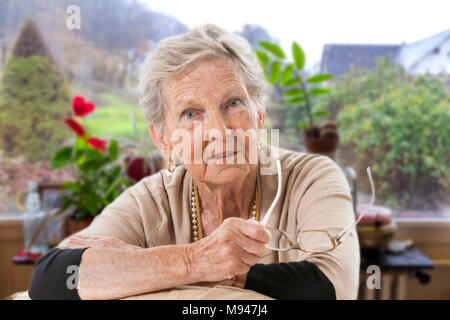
[[366, 83]]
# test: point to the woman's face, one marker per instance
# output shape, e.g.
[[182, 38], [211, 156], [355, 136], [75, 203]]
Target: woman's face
[[211, 124]]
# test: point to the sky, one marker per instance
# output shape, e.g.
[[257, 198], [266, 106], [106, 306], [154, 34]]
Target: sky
[[314, 23]]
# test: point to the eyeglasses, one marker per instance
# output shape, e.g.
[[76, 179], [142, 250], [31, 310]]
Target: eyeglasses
[[310, 241]]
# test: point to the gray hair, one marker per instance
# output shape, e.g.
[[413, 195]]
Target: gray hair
[[176, 53]]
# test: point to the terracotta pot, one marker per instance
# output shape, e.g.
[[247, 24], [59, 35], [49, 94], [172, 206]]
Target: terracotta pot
[[321, 145], [72, 226], [373, 237]]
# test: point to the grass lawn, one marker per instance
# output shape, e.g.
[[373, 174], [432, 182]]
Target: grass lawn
[[113, 118]]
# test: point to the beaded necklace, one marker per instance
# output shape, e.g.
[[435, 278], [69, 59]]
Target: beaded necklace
[[195, 212]]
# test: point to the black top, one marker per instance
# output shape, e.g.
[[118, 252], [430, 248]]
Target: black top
[[53, 275], [54, 278]]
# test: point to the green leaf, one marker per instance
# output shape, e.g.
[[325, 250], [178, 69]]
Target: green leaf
[[319, 91], [80, 144], [274, 72], [82, 159], [320, 78], [297, 100], [294, 93], [113, 149], [62, 158], [286, 74], [262, 57], [115, 173], [114, 186], [293, 81], [299, 55], [93, 203], [302, 124], [265, 74], [273, 48], [91, 167], [94, 154], [321, 113]]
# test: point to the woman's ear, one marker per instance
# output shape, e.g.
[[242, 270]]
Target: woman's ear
[[160, 142], [261, 119]]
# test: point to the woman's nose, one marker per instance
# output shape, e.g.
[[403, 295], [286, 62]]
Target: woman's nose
[[215, 124]]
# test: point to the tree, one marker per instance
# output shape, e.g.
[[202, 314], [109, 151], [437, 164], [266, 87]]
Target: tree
[[398, 125], [34, 100]]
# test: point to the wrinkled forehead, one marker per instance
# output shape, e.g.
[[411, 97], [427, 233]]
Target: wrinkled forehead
[[206, 78]]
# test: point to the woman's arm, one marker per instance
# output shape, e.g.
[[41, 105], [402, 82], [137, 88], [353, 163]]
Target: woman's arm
[[112, 269], [325, 202], [107, 273], [230, 250]]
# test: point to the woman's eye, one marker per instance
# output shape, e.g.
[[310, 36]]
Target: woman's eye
[[190, 114], [234, 103]]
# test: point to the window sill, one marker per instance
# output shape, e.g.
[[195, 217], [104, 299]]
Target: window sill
[[425, 231]]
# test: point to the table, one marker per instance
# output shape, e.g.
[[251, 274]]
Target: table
[[395, 270]]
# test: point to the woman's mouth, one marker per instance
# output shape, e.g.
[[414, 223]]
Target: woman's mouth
[[221, 158]]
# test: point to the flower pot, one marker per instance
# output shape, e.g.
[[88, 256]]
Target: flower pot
[[323, 145], [374, 237], [72, 226], [323, 139]]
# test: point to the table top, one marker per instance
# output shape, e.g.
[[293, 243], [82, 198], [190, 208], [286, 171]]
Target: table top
[[411, 259]]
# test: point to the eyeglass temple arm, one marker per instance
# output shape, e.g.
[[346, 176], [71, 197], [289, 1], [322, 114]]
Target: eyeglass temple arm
[[340, 237], [269, 212]]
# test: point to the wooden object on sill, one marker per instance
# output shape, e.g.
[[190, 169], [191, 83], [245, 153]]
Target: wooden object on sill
[[73, 226]]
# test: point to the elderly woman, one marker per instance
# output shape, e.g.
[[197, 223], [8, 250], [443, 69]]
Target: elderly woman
[[192, 231]]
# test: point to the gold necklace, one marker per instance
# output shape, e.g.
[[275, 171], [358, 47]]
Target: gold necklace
[[195, 212]]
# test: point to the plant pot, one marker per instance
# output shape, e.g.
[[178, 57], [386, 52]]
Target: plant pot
[[323, 145], [374, 237], [72, 226]]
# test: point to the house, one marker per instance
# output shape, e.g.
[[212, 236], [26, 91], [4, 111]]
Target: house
[[339, 59], [430, 55]]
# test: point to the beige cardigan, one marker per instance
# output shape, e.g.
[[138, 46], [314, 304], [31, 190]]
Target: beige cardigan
[[315, 195]]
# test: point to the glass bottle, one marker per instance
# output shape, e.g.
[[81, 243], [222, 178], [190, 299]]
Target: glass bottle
[[33, 220]]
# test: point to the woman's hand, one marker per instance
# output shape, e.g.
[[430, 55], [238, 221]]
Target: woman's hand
[[230, 251], [80, 241]]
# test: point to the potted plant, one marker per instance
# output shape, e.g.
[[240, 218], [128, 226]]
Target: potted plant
[[298, 92], [99, 177]]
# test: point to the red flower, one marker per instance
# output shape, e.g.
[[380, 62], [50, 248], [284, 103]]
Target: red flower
[[76, 127], [78, 101], [97, 143], [81, 107]]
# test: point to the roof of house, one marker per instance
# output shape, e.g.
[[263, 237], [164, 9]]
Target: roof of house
[[339, 59], [411, 55]]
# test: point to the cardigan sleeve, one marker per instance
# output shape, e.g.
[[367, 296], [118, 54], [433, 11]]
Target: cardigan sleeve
[[327, 204], [291, 280], [55, 275]]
